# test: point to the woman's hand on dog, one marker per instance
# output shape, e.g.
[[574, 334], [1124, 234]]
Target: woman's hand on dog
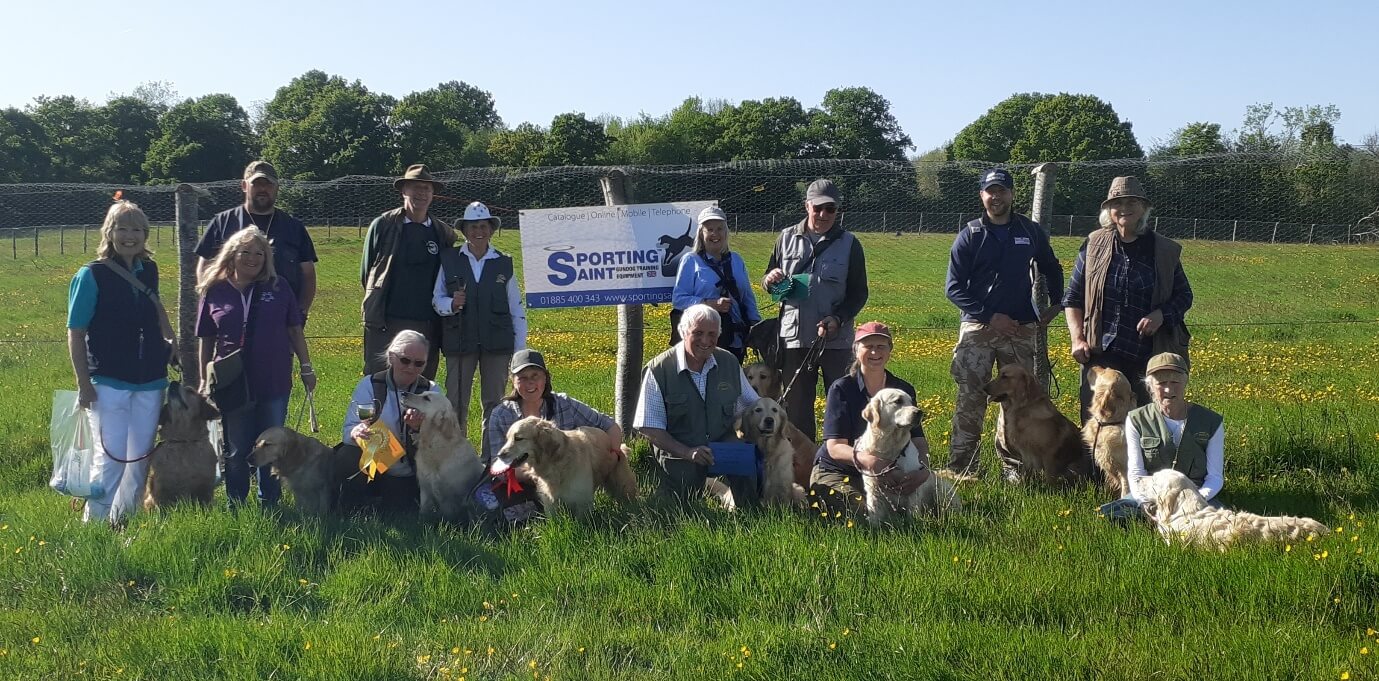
[[413, 419]]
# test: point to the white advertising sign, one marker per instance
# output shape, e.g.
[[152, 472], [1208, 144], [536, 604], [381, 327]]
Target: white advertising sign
[[606, 255]]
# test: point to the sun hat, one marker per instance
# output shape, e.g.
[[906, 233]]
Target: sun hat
[[477, 212], [417, 172], [1128, 187]]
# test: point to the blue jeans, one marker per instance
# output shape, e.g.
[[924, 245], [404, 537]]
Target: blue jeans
[[242, 428]]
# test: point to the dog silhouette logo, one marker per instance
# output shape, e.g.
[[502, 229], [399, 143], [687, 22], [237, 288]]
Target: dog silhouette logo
[[673, 248]]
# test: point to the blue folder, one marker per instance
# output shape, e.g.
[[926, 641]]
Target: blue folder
[[735, 458]]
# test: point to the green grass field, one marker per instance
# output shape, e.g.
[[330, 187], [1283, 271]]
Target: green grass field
[[1026, 583]]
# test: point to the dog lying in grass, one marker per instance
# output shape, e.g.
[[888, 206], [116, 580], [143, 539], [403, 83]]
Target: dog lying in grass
[[566, 465], [309, 468], [764, 425], [183, 464], [448, 468], [1046, 442], [1104, 432], [890, 415], [1181, 513]]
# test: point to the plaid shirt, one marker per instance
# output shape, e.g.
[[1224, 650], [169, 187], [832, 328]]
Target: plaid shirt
[[567, 413], [1128, 296]]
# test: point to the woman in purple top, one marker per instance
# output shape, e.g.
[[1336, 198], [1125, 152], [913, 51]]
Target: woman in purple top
[[241, 280]]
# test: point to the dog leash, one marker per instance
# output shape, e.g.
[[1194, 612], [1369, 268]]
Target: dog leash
[[811, 358], [301, 410]]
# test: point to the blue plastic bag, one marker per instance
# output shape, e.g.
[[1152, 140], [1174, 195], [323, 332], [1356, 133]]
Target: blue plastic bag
[[74, 448]]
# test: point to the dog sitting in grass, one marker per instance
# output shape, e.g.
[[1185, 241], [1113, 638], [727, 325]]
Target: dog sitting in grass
[[1104, 431], [566, 465], [310, 469], [183, 464], [448, 468], [763, 424], [890, 416], [767, 383]]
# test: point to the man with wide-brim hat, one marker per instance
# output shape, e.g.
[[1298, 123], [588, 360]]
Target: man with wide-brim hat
[[1128, 296], [398, 270], [1171, 432], [482, 318]]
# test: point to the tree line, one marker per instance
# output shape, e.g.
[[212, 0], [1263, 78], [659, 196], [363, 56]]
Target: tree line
[[1280, 164]]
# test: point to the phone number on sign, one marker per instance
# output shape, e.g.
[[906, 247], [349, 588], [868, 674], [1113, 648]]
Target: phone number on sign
[[596, 298]]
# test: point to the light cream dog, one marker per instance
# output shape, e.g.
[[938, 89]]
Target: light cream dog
[[764, 424], [183, 464], [1104, 431], [448, 468], [309, 468], [1183, 514], [890, 414], [567, 465]]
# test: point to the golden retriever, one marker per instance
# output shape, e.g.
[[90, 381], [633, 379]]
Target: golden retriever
[[1046, 442], [183, 464], [890, 415], [1104, 431], [1182, 513], [448, 468], [566, 464], [764, 424], [309, 468], [763, 379]]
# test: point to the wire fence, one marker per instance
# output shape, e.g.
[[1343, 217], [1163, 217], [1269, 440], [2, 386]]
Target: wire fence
[[1247, 199]]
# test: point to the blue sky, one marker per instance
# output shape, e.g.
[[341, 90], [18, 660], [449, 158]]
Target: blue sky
[[1161, 64]]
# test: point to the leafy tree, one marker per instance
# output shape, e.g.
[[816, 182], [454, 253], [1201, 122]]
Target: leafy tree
[[856, 122], [76, 139], [991, 137], [23, 155], [770, 128], [133, 124], [520, 147], [321, 127], [573, 139], [201, 140], [434, 126]]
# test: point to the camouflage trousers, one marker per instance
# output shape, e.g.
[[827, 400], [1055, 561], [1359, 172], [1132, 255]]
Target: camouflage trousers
[[980, 348]]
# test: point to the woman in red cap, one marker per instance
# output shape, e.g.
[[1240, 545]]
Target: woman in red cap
[[836, 480]]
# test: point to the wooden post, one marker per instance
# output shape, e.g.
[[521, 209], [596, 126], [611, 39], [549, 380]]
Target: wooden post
[[83, 238], [1310, 230], [35, 242], [1042, 212], [14, 243], [1070, 224], [1194, 229], [627, 382], [187, 224], [1235, 226], [62, 240], [1274, 238]]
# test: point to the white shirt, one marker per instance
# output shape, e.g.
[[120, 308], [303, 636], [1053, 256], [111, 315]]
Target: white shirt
[[651, 405], [1134, 457], [441, 299]]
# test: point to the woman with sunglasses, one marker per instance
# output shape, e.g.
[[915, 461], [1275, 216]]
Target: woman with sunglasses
[[377, 403]]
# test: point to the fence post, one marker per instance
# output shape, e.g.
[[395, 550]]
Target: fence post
[[1310, 230], [1235, 226], [35, 242], [1194, 229], [62, 240], [1070, 224], [14, 243], [627, 381], [921, 222], [1042, 209], [83, 238], [187, 224], [1274, 238]]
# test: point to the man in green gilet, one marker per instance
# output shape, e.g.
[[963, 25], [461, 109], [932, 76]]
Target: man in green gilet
[[1170, 432], [691, 396]]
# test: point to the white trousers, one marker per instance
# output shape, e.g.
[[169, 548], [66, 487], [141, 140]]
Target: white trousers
[[125, 423]]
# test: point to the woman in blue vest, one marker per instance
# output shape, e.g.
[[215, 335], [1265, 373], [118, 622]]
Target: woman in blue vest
[[482, 319], [120, 341], [715, 276], [377, 402], [1171, 432], [246, 307]]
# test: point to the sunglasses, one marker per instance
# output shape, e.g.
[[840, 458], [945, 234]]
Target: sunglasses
[[826, 209], [408, 362]]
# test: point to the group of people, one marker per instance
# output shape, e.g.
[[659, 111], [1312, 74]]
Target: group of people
[[425, 297]]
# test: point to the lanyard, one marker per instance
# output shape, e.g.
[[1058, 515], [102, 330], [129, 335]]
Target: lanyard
[[246, 297]]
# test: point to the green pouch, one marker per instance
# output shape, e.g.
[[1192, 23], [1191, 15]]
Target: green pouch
[[795, 287]]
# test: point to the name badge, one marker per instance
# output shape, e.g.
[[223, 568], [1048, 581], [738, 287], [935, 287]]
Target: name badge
[[1021, 241]]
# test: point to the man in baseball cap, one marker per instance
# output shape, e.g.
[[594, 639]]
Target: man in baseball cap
[[294, 254], [989, 282], [825, 314]]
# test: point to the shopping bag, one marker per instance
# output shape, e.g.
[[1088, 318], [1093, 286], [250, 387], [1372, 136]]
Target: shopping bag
[[74, 448]]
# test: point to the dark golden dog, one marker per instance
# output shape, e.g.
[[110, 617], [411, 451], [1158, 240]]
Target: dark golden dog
[[183, 464], [1104, 431], [309, 468], [1044, 440]]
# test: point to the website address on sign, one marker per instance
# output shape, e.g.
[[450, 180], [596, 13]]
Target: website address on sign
[[588, 298]]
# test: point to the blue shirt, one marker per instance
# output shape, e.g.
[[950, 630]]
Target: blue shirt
[[287, 235], [81, 308], [988, 269], [696, 281], [847, 397]]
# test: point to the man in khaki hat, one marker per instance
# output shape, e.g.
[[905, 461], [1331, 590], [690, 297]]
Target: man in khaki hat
[[294, 254], [1171, 432], [401, 259]]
